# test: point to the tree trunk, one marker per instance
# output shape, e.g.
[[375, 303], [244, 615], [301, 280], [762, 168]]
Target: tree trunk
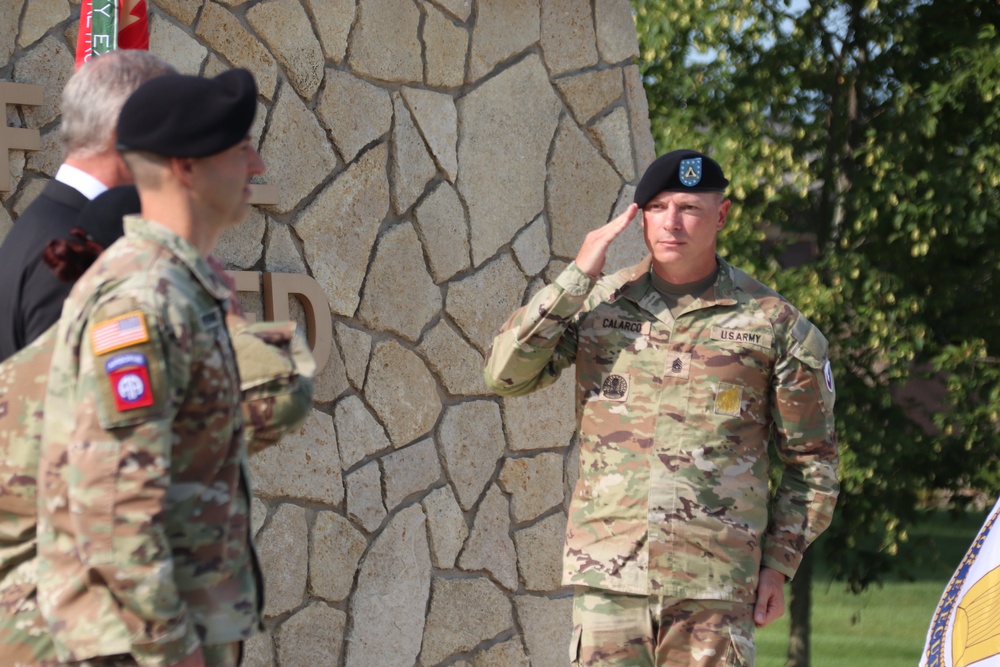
[[799, 606]]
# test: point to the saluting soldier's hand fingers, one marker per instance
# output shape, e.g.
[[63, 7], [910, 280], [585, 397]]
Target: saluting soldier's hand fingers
[[622, 221], [592, 253]]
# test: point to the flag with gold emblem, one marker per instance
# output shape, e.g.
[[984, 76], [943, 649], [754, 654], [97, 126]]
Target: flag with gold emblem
[[107, 25], [965, 629]]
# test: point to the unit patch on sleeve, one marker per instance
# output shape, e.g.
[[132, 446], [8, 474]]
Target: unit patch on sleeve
[[828, 375], [123, 331], [128, 374]]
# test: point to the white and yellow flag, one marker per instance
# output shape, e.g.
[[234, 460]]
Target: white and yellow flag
[[965, 629]]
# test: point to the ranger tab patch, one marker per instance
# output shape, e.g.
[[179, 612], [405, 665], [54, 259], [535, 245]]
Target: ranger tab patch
[[129, 377], [123, 331], [741, 336]]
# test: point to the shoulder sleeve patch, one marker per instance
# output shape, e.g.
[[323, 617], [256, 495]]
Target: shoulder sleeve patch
[[127, 369], [119, 332], [128, 374]]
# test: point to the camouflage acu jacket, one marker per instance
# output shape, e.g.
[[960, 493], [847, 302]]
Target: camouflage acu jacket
[[674, 419], [24, 638], [143, 502], [276, 372]]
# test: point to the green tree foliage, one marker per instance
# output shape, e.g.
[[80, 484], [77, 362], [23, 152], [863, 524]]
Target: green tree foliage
[[868, 131]]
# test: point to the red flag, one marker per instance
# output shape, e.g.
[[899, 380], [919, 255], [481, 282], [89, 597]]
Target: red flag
[[106, 25], [84, 38], [133, 28]]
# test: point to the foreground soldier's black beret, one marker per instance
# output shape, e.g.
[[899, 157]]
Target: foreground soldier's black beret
[[177, 115], [682, 170]]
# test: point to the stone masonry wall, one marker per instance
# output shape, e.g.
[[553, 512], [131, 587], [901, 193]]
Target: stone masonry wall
[[435, 163]]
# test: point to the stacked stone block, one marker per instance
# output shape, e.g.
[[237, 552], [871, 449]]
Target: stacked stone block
[[435, 162]]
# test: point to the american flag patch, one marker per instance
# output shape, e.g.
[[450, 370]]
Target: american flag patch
[[128, 329]]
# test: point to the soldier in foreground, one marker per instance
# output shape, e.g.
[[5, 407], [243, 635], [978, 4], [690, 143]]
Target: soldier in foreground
[[145, 554], [686, 367], [276, 379]]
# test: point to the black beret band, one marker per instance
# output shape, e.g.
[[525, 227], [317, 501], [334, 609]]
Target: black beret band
[[683, 170], [177, 115]]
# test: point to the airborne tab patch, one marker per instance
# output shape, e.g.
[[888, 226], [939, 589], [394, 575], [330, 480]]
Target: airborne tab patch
[[123, 331], [740, 336]]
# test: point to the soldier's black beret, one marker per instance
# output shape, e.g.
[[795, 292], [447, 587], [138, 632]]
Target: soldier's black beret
[[177, 115], [683, 170]]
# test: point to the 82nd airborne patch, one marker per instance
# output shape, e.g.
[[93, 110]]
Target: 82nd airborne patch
[[129, 377]]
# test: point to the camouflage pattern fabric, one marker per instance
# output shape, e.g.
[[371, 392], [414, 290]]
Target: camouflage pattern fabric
[[143, 495], [277, 374], [620, 630], [674, 419], [24, 637]]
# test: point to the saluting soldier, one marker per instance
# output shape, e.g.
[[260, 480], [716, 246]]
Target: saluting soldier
[[145, 553], [686, 367]]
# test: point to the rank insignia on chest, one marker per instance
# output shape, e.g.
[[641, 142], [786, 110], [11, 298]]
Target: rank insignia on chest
[[614, 387], [128, 374], [114, 334], [678, 365]]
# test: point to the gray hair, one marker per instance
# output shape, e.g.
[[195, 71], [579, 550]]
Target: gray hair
[[94, 96]]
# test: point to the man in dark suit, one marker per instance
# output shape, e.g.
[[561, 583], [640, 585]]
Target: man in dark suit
[[32, 297]]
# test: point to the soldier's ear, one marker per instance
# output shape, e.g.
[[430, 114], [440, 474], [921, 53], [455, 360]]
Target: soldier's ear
[[183, 169], [723, 212]]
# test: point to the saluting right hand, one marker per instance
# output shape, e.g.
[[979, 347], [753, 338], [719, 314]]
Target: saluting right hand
[[594, 250]]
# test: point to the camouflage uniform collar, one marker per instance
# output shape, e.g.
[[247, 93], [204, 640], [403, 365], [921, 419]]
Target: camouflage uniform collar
[[724, 290], [138, 227], [634, 283]]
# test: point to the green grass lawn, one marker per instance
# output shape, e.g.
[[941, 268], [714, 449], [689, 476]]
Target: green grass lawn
[[884, 626]]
